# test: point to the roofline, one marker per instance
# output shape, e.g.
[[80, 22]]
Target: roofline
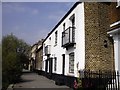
[[71, 9], [39, 48], [37, 43], [33, 45]]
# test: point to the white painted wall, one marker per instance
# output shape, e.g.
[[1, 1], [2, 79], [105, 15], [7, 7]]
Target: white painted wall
[[117, 51], [78, 49], [116, 37], [33, 52]]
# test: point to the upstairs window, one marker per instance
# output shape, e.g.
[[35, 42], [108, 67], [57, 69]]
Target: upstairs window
[[68, 35], [50, 38], [47, 50], [64, 27], [72, 19], [56, 35], [50, 41]]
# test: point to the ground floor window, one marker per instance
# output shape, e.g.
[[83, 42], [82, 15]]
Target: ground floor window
[[71, 62], [55, 63]]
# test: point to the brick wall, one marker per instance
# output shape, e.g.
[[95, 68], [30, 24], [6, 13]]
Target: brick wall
[[39, 55], [39, 58], [114, 12], [97, 56]]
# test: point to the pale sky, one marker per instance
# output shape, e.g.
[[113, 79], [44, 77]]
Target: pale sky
[[32, 21]]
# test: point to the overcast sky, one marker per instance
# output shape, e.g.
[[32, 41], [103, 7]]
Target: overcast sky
[[32, 21]]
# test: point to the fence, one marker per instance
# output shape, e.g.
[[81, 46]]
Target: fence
[[100, 80]]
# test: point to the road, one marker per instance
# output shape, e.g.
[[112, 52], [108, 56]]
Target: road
[[33, 80]]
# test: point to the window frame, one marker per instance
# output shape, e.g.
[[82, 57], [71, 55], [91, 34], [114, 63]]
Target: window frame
[[72, 20], [63, 26], [71, 66], [56, 37], [55, 64]]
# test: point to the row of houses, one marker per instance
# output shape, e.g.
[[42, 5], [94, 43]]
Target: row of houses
[[36, 54], [86, 38]]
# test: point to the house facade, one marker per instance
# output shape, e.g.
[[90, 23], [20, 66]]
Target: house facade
[[32, 57], [86, 38], [65, 45], [98, 45], [36, 56], [39, 56]]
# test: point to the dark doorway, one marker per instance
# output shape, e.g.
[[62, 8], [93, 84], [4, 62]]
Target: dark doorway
[[46, 66], [46, 63], [50, 65], [63, 69]]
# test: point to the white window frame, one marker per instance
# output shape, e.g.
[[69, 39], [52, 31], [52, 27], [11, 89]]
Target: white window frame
[[56, 37], [63, 26], [71, 62], [55, 63], [72, 20]]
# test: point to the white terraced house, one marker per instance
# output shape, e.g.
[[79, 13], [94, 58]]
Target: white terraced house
[[66, 43], [80, 41]]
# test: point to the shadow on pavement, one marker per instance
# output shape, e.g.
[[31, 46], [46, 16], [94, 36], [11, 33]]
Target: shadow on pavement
[[21, 81]]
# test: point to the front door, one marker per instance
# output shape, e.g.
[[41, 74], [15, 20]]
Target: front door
[[63, 65], [50, 65], [46, 66]]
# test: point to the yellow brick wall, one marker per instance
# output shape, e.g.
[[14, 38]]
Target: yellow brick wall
[[97, 57]]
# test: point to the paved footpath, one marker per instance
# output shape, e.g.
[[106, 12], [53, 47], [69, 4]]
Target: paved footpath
[[33, 80]]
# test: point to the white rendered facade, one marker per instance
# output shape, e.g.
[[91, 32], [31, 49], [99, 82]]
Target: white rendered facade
[[56, 49], [116, 37]]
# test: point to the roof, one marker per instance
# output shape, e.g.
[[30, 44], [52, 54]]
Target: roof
[[40, 48], [73, 7]]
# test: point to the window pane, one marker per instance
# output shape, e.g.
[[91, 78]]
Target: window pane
[[71, 62], [56, 34], [55, 63]]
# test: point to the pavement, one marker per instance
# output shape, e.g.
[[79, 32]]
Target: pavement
[[32, 80]]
